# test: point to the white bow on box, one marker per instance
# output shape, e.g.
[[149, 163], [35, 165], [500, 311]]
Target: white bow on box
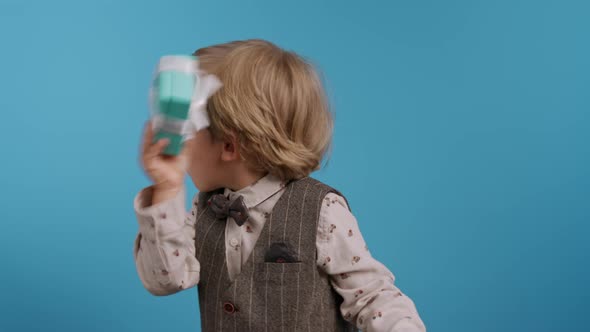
[[205, 86]]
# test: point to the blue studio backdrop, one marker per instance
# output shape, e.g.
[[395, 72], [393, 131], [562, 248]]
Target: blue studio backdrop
[[467, 122]]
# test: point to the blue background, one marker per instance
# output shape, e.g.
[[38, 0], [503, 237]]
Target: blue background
[[465, 122]]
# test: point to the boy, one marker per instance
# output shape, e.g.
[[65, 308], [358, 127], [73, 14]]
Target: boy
[[269, 247]]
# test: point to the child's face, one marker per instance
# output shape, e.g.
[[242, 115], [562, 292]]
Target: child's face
[[204, 160], [214, 164]]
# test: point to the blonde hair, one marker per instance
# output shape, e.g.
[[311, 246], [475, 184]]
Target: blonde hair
[[275, 104]]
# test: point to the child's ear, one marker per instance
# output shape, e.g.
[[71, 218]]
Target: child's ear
[[231, 149]]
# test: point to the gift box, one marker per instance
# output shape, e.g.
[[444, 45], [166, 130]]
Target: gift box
[[172, 92]]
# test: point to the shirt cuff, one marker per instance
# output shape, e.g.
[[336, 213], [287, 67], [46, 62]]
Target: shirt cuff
[[164, 217]]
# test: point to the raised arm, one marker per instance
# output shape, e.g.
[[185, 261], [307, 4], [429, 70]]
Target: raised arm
[[164, 249]]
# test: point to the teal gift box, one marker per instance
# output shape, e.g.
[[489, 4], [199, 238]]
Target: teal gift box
[[172, 91]]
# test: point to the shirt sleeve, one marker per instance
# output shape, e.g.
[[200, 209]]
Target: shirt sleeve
[[371, 300], [164, 249]]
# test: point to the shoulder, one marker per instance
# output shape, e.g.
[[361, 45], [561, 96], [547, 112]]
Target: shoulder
[[335, 218], [330, 194], [321, 185], [334, 198]]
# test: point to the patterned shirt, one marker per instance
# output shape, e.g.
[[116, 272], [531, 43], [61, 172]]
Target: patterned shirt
[[164, 253]]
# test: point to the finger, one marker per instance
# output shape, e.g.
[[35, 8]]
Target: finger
[[144, 138], [144, 142], [147, 136], [161, 145], [156, 149], [151, 151]]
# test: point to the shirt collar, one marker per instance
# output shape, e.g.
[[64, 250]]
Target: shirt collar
[[258, 191]]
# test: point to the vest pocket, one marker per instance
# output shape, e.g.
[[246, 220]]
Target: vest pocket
[[278, 274]]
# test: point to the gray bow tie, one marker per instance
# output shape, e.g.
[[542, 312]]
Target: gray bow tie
[[223, 207]]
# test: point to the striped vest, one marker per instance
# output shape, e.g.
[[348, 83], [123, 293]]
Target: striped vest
[[269, 296]]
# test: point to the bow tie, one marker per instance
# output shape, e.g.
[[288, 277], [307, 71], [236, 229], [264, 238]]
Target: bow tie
[[223, 207]]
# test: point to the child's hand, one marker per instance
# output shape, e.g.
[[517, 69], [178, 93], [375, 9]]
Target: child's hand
[[167, 172]]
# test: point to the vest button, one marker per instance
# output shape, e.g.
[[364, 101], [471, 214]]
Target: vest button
[[229, 307]]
